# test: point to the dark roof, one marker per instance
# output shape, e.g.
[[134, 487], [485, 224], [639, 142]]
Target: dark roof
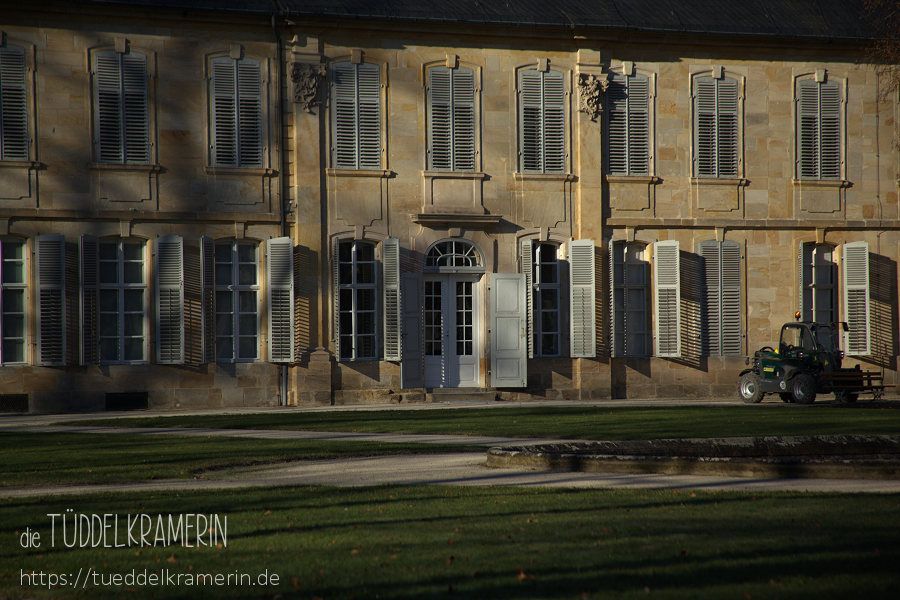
[[824, 19]]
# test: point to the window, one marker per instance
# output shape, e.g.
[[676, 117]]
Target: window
[[453, 254], [357, 306], [13, 104], [123, 301], [817, 283], [237, 301], [545, 300], [715, 127], [722, 326], [818, 129], [12, 302], [542, 121], [628, 100], [451, 119], [629, 278], [356, 116], [121, 122], [236, 124]]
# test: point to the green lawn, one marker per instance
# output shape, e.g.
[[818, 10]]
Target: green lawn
[[63, 458], [576, 423], [492, 543]]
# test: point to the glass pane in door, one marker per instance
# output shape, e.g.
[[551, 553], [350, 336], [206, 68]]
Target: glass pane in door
[[433, 323]]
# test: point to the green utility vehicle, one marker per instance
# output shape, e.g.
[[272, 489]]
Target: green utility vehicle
[[807, 362]]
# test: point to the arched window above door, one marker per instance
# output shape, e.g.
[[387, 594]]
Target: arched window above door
[[454, 256]]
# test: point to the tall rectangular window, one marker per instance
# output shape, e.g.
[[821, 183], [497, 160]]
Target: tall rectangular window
[[628, 99], [356, 116], [237, 301], [123, 301], [236, 121], [630, 281], [451, 119], [715, 127], [818, 273], [542, 121], [13, 104], [357, 306], [818, 129], [12, 302], [546, 300], [121, 121], [722, 262]]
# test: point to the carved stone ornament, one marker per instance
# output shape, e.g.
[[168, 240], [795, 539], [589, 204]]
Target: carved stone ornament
[[590, 87], [307, 78]]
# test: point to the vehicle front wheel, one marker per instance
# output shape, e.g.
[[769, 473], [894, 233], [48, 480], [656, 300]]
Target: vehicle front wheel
[[803, 389], [748, 388]]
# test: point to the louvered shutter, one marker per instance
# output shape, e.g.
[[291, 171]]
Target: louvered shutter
[[108, 107], [581, 292], [528, 271], [463, 119], [280, 279], [440, 124], [530, 129], [336, 297], [369, 77], [134, 102], [716, 127], [13, 104], [508, 349], [615, 347], [170, 300], [628, 99], [667, 284], [223, 118], [390, 261], [705, 127], [730, 278], [727, 128], [208, 299], [90, 343], [51, 310], [808, 128], [709, 251], [344, 115], [411, 373], [617, 136], [856, 297], [830, 130], [554, 124], [249, 113]]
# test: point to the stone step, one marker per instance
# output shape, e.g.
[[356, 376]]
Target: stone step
[[460, 395]]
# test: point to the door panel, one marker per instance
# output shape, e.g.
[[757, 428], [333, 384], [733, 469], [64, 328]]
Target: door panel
[[452, 356]]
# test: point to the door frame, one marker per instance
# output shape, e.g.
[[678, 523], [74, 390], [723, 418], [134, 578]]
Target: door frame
[[450, 367]]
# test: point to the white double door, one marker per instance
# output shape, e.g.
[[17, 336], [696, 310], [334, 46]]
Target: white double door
[[452, 331]]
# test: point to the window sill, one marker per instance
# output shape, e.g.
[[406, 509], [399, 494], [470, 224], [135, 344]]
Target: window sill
[[731, 181], [95, 166], [249, 171], [382, 173], [454, 175], [644, 179], [520, 176], [822, 183], [21, 164]]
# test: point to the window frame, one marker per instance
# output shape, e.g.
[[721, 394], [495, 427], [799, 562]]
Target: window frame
[[620, 253], [234, 289], [460, 141], [546, 107], [628, 76], [810, 284], [125, 116], [820, 80], [357, 122], [14, 286], [238, 132], [355, 286], [121, 287], [700, 156], [538, 286]]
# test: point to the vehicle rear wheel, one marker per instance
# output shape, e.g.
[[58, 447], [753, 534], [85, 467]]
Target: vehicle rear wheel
[[803, 389], [748, 388]]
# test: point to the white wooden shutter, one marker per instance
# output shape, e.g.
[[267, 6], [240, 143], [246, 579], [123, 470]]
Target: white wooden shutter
[[170, 300], [90, 342], [390, 261], [13, 104], [705, 127], [830, 130], [369, 77], [528, 271], [855, 266], [667, 307], [208, 299], [617, 124], [709, 251], [134, 108], [440, 118], [730, 268], [411, 366], [223, 109], [249, 113], [51, 311], [727, 128], [531, 140], [581, 295], [463, 119], [508, 347], [628, 100], [280, 279], [108, 117], [343, 110]]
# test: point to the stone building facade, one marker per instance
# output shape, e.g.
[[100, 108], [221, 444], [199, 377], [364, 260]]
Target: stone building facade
[[302, 203]]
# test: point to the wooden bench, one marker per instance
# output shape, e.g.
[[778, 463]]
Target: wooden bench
[[856, 382]]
